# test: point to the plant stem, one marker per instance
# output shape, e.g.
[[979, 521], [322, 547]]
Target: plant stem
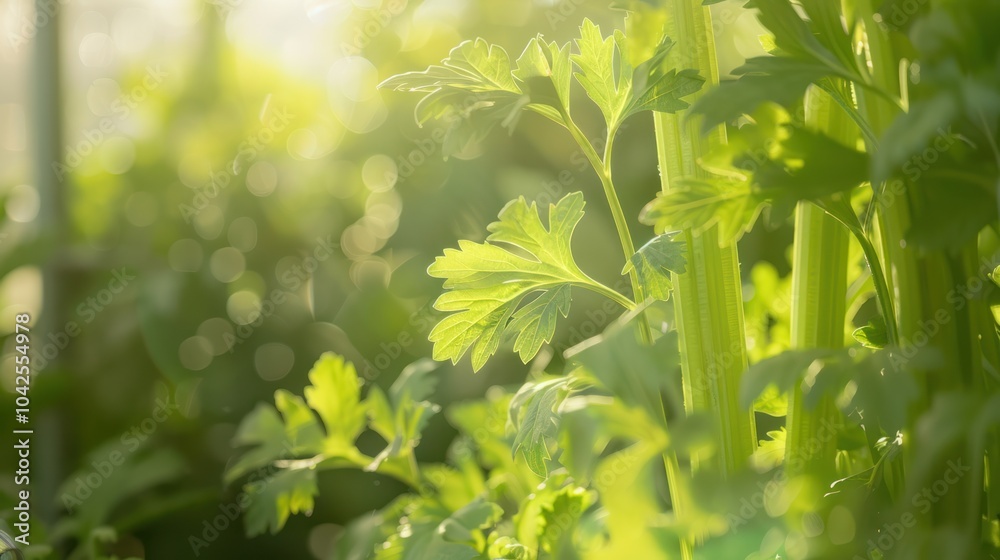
[[709, 302], [921, 282], [708, 297], [881, 283], [57, 283], [603, 169], [819, 302], [607, 292]]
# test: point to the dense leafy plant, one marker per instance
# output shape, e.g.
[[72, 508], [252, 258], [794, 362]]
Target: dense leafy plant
[[883, 370]]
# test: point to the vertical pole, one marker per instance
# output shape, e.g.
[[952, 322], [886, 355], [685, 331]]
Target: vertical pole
[[46, 118]]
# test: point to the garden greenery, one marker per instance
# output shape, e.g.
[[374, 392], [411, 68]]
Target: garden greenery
[[884, 439]]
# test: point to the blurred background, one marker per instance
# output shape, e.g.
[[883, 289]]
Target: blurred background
[[199, 197]]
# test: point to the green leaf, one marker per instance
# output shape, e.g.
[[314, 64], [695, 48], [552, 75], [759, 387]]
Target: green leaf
[[263, 429], [335, 394], [139, 476], [654, 262], [771, 451], [699, 205], [473, 90], [359, 538], [629, 508], [507, 548], [273, 500], [536, 421], [656, 88], [428, 530], [546, 68], [636, 373], [664, 92], [947, 190], [872, 335], [803, 165], [794, 36], [306, 443], [486, 283], [479, 514], [304, 434], [484, 422], [604, 71], [535, 323], [548, 518], [805, 52], [767, 79], [621, 89], [474, 66], [781, 371], [811, 166], [401, 418]]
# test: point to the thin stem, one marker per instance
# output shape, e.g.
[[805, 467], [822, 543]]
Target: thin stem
[[882, 292], [677, 498], [607, 292], [603, 169]]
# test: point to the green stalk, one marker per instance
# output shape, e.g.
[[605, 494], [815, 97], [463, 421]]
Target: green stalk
[[709, 301], [47, 128], [921, 283], [819, 301], [602, 166]]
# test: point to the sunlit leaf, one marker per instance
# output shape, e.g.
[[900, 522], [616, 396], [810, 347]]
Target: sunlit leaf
[[654, 262], [487, 282]]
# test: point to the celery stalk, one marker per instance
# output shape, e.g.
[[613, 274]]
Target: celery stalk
[[819, 298], [709, 302]]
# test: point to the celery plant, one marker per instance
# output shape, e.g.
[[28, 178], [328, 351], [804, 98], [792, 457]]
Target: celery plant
[[914, 411], [819, 295], [709, 303], [923, 279]]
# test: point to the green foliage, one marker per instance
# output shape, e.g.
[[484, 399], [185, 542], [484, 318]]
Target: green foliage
[[427, 531], [654, 262], [621, 90], [606, 457], [772, 163], [535, 419], [476, 88], [632, 371], [287, 449], [489, 281], [473, 88], [805, 52]]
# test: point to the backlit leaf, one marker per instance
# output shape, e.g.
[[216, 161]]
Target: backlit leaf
[[654, 262], [487, 282]]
